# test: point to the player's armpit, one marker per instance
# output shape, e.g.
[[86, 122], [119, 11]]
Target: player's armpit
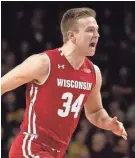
[[34, 67]]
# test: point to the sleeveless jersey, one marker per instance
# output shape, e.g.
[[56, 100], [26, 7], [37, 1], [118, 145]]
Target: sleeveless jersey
[[54, 108]]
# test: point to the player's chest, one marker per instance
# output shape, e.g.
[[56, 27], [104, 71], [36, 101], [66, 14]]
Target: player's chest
[[67, 78]]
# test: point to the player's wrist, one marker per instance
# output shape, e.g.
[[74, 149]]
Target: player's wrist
[[108, 123]]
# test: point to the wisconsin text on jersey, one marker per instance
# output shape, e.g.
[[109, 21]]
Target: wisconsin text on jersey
[[74, 84]]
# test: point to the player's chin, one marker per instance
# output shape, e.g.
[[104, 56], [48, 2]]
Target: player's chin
[[91, 53]]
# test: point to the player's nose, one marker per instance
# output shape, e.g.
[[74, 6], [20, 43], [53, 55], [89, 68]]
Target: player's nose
[[96, 34]]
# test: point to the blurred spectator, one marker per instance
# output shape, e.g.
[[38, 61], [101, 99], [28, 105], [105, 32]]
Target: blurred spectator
[[131, 135], [24, 50], [131, 112], [100, 147], [85, 126], [78, 149], [116, 111], [9, 100], [10, 141], [121, 150]]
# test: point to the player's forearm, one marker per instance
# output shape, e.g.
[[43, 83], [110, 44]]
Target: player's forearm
[[100, 119], [7, 85], [10, 82], [3, 90]]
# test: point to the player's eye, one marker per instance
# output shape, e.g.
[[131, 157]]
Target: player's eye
[[90, 30]]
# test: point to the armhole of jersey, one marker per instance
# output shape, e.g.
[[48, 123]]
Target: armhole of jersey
[[94, 74], [47, 74]]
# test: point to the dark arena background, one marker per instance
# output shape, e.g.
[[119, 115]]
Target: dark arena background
[[32, 27]]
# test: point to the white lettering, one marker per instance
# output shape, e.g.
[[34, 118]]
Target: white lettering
[[80, 85], [68, 83], [65, 83], [89, 86], [60, 82], [84, 85], [74, 84]]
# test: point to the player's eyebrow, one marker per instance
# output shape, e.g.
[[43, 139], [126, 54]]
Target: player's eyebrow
[[95, 27]]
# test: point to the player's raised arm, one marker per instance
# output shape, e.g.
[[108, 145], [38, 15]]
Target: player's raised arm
[[97, 115], [33, 68]]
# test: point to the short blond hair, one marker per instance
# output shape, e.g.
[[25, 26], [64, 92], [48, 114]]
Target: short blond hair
[[70, 16]]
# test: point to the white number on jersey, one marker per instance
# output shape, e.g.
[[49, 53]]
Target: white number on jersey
[[75, 107]]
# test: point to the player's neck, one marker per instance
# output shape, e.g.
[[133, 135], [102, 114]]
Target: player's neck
[[72, 56]]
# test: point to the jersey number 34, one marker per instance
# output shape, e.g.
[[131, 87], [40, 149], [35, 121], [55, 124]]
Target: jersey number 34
[[69, 106]]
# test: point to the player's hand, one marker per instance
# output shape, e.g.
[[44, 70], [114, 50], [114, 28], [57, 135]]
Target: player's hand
[[117, 128]]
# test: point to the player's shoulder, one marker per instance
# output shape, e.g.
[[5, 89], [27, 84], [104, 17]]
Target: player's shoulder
[[97, 69], [36, 58], [38, 61], [98, 74], [90, 63], [42, 58]]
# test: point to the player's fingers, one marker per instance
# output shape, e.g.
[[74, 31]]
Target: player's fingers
[[124, 137], [124, 132], [114, 119], [121, 126]]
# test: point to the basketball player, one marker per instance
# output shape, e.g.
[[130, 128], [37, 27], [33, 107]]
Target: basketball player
[[59, 83]]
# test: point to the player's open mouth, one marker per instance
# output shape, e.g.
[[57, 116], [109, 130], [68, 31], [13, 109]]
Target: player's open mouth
[[93, 44]]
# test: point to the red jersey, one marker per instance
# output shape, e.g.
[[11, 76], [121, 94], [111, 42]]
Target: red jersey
[[53, 108]]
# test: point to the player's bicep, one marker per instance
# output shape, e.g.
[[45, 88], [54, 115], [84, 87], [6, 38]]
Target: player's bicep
[[94, 101]]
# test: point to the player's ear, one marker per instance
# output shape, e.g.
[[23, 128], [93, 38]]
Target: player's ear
[[71, 36]]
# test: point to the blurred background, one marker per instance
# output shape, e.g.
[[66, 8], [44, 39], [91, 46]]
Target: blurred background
[[32, 27]]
